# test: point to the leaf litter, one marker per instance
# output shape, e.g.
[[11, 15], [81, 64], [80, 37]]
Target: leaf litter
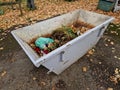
[[46, 9]]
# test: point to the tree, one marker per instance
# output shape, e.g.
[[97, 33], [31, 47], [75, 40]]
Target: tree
[[30, 4]]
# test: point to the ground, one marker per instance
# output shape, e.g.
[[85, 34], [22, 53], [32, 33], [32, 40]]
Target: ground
[[94, 71], [91, 72]]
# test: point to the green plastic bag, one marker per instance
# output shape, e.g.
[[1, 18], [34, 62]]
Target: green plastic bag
[[41, 42]]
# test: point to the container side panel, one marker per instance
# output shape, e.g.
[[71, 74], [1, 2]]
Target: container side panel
[[28, 50], [47, 26]]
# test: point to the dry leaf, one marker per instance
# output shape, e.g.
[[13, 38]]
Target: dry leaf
[[115, 57], [53, 87], [91, 60], [1, 39], [34, 78], [110, 89], [113, 79], [113, 48], [1, 48], [112, 43], [3, 73], [108, 40], [116, 71], [84, 69], [43, 83], [100, 62], [106, 45], [90, 52], [113, 51], [88, 55]]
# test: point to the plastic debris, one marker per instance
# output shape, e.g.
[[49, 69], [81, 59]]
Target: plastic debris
[[42, 42]]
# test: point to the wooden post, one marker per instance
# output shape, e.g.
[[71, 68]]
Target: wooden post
[[20, 8], [30, 4]]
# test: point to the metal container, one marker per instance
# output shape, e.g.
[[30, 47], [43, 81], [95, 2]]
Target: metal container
[[106, 5], [61, 58], [109, 5]]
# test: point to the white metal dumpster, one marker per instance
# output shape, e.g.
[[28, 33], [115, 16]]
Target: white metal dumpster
[[61, 58]]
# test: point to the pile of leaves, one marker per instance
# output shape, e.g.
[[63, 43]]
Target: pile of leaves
[[61, 36]]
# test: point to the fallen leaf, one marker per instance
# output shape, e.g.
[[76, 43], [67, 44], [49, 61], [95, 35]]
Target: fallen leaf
[[43, 83], [3, 73], [100, 62], [84, 69], [112, 43], [113, 79], [115, 57], [88, 55], [1, 48], [106, 45], [116, 71], [4, 34], [88, 88], [1, 39], [53, 87], [91, 60], [113, 48], [91, 51], [108, 40], [113, 51], [34, 78], [110, 88]]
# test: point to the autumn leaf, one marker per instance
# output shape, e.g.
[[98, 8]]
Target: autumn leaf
[[1, 48], [110, 88], [34, 78], [3, 73], [84, 69], [90, 52], [43, 83]]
